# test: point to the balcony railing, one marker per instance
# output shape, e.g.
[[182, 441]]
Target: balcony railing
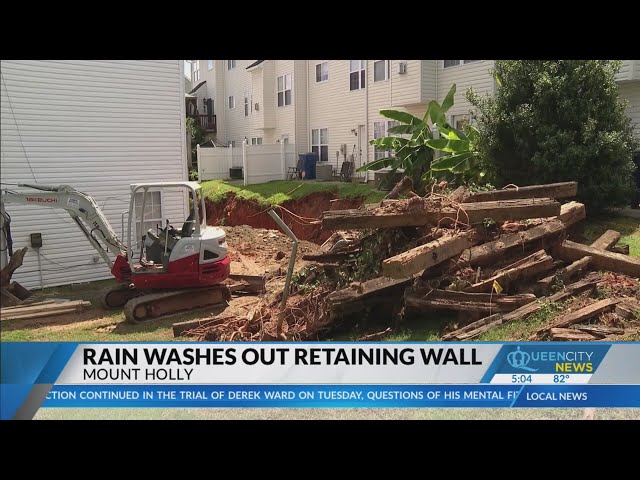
[[208, 122]]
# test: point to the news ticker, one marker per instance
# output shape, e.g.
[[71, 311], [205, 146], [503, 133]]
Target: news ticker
[[317, 375]]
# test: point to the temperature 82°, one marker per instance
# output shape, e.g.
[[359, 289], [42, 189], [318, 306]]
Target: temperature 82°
[[521, 378]]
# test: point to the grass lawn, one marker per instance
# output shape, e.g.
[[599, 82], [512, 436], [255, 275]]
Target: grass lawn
[[279, 191]]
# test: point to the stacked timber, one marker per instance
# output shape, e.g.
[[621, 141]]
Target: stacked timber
[[466, 260]]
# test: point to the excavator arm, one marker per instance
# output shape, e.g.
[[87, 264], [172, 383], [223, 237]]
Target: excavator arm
[[82, 208]]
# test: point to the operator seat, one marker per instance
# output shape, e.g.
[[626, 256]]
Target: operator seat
[[189, 225]]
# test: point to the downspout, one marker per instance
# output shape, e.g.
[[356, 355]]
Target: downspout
[[366, 118], [308, 114], [225, 101]]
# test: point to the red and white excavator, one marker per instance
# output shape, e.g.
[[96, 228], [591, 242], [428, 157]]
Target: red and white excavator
[[166, 270]]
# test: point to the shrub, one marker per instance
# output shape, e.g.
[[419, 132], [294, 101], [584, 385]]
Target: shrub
[[558, 120]]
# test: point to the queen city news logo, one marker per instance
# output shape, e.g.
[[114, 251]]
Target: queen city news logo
[[550, 361]]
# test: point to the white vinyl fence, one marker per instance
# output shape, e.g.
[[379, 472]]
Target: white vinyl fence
[[260, 163]]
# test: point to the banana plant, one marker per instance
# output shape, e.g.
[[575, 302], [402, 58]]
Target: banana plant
[[411, 152]]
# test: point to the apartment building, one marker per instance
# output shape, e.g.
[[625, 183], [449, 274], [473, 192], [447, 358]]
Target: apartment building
[[333, 107]]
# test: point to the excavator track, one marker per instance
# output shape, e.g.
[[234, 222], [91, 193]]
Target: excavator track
[[155, 305], [118, 296]]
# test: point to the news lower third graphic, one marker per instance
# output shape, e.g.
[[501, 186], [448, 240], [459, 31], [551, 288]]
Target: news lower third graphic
[[317, 375]]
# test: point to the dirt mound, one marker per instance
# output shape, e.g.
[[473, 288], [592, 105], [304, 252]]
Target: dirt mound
[[297, 214]]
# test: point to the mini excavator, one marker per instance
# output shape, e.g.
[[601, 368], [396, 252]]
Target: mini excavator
[[165, 270]]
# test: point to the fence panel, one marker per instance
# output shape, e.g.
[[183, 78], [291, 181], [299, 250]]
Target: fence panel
[[214, 163], [264, 163]]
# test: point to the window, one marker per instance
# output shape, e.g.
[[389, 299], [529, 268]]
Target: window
[[455, 63], [320, 143], [381, 129], [460, 121], [231, 64], [209, 64], [322, 72], [256, 140], [152, 212], [284, 90], [232, 102], [196, 71], [356, 74], [380, 70], [246, 104]]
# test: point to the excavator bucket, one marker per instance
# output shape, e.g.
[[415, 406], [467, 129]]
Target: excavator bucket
[[12, 293]]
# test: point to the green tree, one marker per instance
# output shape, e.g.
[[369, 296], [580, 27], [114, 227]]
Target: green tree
[[198, 135], [558, 120]]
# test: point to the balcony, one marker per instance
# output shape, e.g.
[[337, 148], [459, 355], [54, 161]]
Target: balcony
[[207, 122]]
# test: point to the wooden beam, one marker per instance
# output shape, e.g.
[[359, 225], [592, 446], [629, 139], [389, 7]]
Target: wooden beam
[[426, 299], [571, 251], [254, 283], [14, 263], [600, 331], [528, 267], [629, 310], [536, 238], [182, 327], [360, 219], [552, 190], [475, 329], [570, 335], [499, 211], [572, 213], [581, 315], [621, 248], [424, 256], [43, 309], [361, 295], [607, 240]]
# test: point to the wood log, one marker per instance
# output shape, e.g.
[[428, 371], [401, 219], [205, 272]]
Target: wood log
[[600, 331], [572, 213], [570, 335], [604, 242], [374, 336], [621, 249], [426, 299], [499, 211], [181, 327], [401, 187], [361, 219], [607, 240], [475, 329], [628, 310], [362, 295], [552, 190], [42, 310], [528, 267], [255, 283], [571, 251], [424, 256], [536, 238], [581, 315], [458, 195], [14, 263]]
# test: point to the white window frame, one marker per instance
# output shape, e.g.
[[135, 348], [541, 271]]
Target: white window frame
[[459, 64], [246, 104], [361, 70], [196, 71], [458, 118], [326, 74], [256, 140], [209, 65], [151, 222], [231, 64], [387, 124], [319, 144], [387, 69], [284, 90], [231, 102]]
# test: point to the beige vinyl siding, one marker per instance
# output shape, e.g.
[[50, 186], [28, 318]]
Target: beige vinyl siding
[[429, 78], [237, 81], [406, 88], [285, 121], [630, 91], [474, 75], [300, 103], [97, 126], [332, 105]]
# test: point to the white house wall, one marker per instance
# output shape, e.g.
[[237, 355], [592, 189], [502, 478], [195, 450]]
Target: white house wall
[[630, 91], [474, 75], [97, 126]]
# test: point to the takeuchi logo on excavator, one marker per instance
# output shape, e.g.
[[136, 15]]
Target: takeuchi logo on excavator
[[41, 199]]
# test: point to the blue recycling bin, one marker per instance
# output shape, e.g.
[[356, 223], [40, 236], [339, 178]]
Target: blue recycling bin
[[307, 163]]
